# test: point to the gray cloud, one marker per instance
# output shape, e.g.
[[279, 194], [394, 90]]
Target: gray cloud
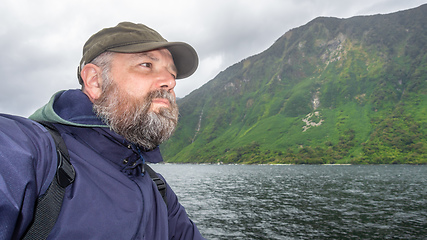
[[41, 41]]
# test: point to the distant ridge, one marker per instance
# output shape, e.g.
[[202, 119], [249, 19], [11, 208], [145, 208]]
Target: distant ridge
[[332, 91]]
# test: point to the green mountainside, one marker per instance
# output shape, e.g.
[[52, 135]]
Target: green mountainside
[[332, 91]]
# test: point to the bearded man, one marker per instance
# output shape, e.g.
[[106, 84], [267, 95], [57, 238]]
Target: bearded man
[[111, 128]]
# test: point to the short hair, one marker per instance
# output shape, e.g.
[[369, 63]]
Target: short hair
[[103, 60]]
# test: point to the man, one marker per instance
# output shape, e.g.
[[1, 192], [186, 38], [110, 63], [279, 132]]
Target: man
[[111, 127]]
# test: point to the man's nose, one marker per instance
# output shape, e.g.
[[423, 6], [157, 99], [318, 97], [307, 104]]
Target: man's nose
[[166, 81]]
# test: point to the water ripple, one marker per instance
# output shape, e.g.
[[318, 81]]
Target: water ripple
[[303, 202]]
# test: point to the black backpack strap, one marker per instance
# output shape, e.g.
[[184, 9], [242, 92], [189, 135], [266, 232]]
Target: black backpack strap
[[49, 204], [161, 185]]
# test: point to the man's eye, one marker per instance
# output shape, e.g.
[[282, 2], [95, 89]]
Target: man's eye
[[146, 65]]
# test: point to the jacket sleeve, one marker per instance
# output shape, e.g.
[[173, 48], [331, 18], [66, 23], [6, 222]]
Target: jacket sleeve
[[180, 225], [27, 166]]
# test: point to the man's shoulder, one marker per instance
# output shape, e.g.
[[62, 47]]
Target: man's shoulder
[[28, 145], [24, 133], [17, 124], [14, 119]]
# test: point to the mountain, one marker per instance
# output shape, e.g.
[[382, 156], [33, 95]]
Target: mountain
[[332, 91]]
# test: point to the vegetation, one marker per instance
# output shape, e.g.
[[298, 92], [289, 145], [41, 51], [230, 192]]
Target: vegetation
[[332, 91]]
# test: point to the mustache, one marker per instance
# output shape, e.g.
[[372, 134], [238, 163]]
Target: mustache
[[161, 94]]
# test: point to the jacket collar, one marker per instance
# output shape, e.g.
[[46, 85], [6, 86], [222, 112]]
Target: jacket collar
[[71, 107]]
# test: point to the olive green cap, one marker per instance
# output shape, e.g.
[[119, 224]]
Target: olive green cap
[[129, 37]]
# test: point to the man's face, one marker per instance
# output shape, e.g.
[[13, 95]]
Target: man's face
[[138, 100], [141, 73]]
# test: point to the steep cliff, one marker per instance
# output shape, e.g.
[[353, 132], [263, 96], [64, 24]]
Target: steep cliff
[[332, 91]]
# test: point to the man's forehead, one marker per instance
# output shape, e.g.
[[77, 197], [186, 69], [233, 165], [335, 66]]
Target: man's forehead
[[154, 54]]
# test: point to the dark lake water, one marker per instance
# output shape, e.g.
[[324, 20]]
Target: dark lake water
[[303, 201]]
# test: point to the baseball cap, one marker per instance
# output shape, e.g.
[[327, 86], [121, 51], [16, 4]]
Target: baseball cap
[[129, 37]]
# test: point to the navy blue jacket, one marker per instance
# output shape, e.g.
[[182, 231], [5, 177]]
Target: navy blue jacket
[[111, 198]]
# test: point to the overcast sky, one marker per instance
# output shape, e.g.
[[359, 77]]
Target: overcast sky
[[41, 40]]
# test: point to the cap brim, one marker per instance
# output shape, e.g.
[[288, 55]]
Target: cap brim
[[184, 56]]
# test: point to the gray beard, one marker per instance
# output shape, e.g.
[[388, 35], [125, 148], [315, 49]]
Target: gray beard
[[133, 119]]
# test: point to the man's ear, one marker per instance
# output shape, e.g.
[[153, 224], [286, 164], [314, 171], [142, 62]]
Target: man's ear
[[91, 76]]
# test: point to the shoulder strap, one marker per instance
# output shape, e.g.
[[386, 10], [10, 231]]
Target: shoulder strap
[[49, 204], [161, 185]]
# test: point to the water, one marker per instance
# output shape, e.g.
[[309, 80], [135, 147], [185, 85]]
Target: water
[[303, 201]]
